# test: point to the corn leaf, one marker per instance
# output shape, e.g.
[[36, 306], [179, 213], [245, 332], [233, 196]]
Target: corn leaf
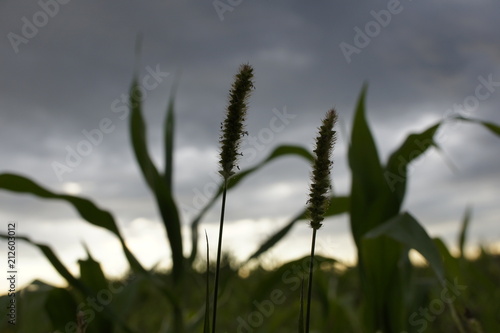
[[372, 203], [86, 208], [370, 195], [451, 264], [164, 198], [396, 171], [169, 129], [494, 128], [405, 229]]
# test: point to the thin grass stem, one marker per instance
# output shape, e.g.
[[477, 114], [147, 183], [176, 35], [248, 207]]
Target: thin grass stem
[[219, 251], [310, 282], [206, 326]]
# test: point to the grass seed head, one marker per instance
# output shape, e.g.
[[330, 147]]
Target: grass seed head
[[320, 186], [232, 127]]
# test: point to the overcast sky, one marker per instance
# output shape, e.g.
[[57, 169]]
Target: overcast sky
[[66, 65]]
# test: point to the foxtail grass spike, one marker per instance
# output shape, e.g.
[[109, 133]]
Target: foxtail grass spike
[[320, 186], [232, 127], [232, 131]]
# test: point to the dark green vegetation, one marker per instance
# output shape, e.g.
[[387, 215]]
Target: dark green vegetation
[[383, 293]]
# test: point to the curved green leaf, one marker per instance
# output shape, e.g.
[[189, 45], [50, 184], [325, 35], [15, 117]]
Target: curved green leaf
[[406, 230], [494, 128], [169, 131], [276, 237], [396, 170], [86, 208], [164, 197]]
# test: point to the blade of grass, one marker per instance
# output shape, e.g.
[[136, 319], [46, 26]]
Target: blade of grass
[[217, 268], [169, 133], [206, 326], [463, 231]]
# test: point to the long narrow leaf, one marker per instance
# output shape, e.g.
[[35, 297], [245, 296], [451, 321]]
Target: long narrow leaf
[[494, 128], [397, 165], [86, 208], [206, 325], [164, 198], [463, 231], [276, 237], [169, 131]]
